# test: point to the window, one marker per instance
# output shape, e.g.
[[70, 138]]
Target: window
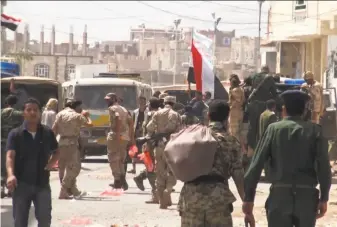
[[41, 70], [70, 69], [300, 5]]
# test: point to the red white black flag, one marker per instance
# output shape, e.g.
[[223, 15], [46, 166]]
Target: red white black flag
[[9, 22]]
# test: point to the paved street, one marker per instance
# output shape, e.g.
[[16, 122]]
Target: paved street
[[129, 208]]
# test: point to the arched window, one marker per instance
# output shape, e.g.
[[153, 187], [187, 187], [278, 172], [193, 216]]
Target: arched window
[[41, 70], [70, 69]]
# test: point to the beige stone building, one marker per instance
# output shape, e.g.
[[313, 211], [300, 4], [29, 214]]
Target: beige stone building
[[57, 67], [299, 32], [244, 50]]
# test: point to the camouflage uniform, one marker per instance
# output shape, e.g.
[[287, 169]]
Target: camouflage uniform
[[68, 124], [151, 176], [315, 92], [210, 204], [164, 120], [236, 101], [10, 118], [117, 146]]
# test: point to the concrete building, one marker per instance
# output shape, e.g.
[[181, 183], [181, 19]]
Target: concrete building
[[299, 32], [244, 50], [49, 59], [141, 32], [57, 67]]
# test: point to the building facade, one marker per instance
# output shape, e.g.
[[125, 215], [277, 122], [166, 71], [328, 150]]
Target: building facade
[[299, 32]]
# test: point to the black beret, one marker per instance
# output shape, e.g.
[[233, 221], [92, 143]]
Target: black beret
[[294, 96]]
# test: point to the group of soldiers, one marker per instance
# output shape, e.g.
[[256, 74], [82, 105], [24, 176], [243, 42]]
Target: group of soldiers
[[208, 201]]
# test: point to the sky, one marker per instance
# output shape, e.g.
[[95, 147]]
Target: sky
[[112, 20]]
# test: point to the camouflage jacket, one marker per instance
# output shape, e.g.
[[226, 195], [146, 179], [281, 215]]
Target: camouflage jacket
[[68, 124], [315, 92], [10, 118], [227, 163], [164, 120]]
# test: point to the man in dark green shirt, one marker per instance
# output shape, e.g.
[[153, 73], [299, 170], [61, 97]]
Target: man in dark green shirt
[[267, 117], [264, 89], [297, 155]]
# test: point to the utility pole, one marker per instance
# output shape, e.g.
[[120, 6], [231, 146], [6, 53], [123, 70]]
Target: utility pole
[[259, 41], [216, 23], [176, 24]]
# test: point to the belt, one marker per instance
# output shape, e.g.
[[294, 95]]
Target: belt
[[209, 179], [291, 186]]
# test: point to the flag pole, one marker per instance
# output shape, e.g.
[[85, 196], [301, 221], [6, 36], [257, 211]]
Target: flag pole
[[189, 83]]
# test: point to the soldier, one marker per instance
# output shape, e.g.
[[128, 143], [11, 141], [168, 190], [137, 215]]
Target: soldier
[[120, 135], [151, 176], [10, 119], [157, 94], [297, 154], [164, 120], [67, 125], [161, 98], [264, 88], [236, 101], [209, 201], [208, 97], [199, 108], [188, 118], [267, 117], [315, 91], [139, 116]]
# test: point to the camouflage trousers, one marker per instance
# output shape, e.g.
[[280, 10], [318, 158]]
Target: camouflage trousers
[[206, 218], [116, 157], [315, 116], [69, 167], [165, 179], [235, 123]]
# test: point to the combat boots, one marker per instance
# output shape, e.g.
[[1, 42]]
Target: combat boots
[[163, 203], [125, 185], [64, 194], [139, 180], [154, 199], [117, 184]]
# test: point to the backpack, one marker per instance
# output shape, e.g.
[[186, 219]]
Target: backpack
[[190, 152]]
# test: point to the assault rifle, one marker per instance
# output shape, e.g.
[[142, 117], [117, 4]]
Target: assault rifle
[[155, 138]]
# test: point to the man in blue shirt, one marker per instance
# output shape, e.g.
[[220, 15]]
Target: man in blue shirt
[[31, 153]]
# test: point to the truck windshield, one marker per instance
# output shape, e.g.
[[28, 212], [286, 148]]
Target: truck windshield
[[92, 97], [41, 92]]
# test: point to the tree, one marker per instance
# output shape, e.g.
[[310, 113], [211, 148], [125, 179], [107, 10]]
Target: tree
[[20, 58]]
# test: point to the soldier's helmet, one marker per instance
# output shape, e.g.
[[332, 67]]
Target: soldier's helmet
[[308, 75]]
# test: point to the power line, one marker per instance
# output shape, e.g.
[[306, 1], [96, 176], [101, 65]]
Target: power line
[[80, 18], [248, 9], [222, 22]]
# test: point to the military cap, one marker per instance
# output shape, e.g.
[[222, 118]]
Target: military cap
[[170, 99], [110, 96], [308, 75], [292, 96], [265, 68], [162, 96], [73, 103]]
